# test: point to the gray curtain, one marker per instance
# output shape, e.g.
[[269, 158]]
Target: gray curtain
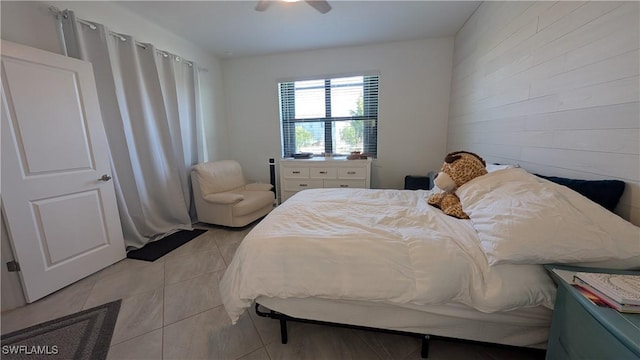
[[150, 107]]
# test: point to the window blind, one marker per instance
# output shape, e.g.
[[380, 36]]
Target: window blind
[[331, 116]]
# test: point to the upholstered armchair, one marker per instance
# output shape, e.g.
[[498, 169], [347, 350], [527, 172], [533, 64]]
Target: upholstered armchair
[[223, 197]]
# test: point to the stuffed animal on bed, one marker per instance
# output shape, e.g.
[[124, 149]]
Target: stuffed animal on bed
[[459, 168]]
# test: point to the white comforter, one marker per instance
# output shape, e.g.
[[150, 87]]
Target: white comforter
[[375, 245]]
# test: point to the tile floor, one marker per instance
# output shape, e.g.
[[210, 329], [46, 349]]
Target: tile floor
[[171, 309]]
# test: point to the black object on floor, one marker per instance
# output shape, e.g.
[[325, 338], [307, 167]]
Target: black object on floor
[[83, 335], [157, 249]]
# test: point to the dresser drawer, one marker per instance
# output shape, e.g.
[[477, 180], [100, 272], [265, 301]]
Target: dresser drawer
[[360, 184], [295, 172], [323, 173], [297, 185], [576, 334], [299, 174], [352, 173]]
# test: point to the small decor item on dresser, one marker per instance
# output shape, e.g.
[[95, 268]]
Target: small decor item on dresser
[[303, 155], [356, 155], [621, 292]]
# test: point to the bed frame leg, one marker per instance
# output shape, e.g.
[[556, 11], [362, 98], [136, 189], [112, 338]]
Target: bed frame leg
[[283, 331], [424, 351]]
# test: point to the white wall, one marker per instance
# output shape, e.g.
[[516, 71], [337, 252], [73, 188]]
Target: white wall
[[415, 79], [553, 87], [30, 23]]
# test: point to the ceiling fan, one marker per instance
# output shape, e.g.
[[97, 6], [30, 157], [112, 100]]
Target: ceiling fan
[[320, 5]]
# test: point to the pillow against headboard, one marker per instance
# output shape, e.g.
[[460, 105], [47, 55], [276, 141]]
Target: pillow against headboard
[[607, 193], [496, 167]]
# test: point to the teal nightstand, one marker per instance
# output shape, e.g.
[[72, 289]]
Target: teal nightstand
[[582, 330]]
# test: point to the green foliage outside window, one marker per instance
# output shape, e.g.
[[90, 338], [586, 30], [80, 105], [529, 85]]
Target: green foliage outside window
[[304, 137], [353, 134]]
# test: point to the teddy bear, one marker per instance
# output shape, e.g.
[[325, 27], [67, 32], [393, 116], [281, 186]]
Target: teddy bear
[[459, 168]]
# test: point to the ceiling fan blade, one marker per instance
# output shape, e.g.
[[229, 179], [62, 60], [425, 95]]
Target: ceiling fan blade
[[262, 5], [320, 5]]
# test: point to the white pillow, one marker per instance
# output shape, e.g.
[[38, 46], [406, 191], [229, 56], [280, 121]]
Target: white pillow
[[495, 167], [521, 219]]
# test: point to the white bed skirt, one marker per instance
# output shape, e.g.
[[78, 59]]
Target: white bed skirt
[[527, 327]]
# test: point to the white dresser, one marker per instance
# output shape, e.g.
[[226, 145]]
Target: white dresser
[[314, 173]]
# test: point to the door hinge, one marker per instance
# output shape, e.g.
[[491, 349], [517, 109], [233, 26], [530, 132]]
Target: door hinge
[[13, 266]]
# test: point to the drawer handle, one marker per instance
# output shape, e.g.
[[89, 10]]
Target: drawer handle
[[295, 172], [344, 186], [351, 172], [303, 185], [323, 172]]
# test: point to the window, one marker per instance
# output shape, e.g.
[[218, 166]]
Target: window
[[333, 116]]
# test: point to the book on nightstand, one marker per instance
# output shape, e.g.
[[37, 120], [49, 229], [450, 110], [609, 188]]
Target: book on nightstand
[[621, 292]]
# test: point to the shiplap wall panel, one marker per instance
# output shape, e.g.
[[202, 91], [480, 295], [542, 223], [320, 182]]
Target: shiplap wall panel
[[551, 42], [617, 42], [506, 43], [620, 141], [614, 68], [599, 20], [557, 12], [621, 116], [553, 87]]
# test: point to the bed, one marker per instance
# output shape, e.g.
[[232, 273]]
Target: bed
[[385, 259]]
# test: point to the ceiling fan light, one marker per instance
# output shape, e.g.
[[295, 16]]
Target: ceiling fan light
[[321, 5]]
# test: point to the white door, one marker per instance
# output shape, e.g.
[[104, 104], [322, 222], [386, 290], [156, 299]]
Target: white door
[[61, 212]]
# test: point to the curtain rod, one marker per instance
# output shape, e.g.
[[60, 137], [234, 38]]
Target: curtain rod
[[58, 13]]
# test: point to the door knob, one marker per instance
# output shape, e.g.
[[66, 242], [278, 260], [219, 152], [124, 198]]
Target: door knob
[[105, 177]]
